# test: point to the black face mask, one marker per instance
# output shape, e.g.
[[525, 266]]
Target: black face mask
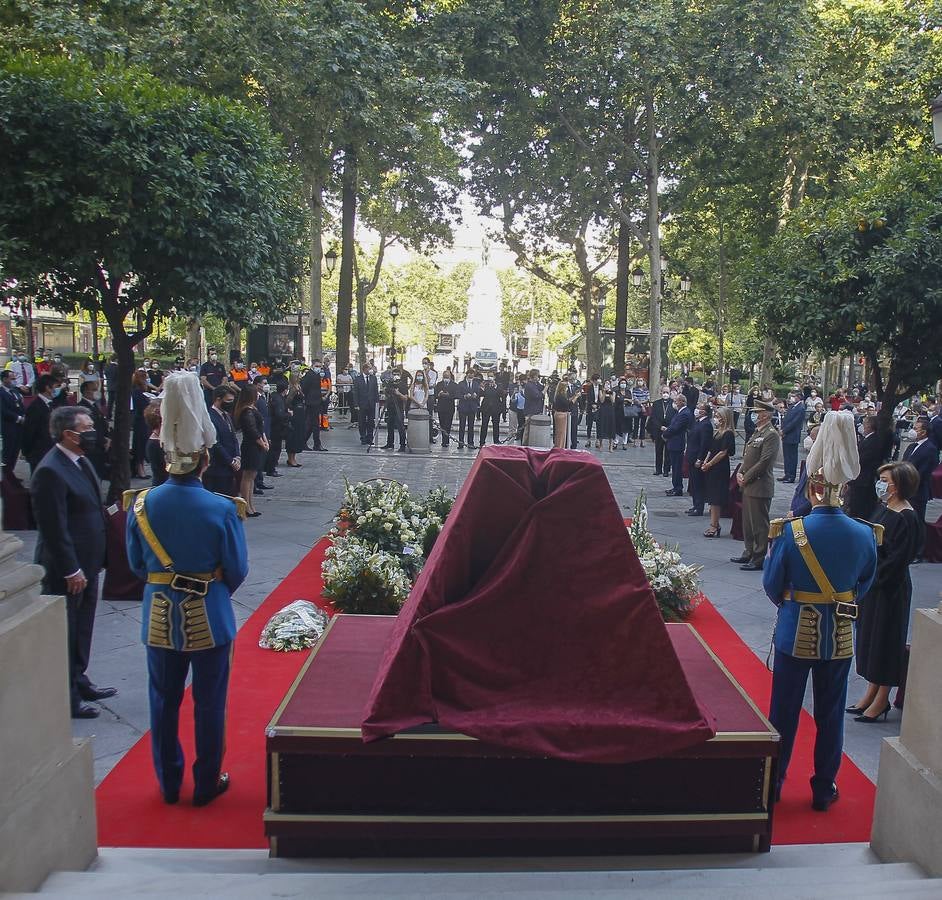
[[88, 440]]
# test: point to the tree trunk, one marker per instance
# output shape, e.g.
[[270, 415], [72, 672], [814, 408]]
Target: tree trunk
[[93, 318], [721, 309], [234, 340], [120, 451], [622, 277], [192, 348], [654, 248], [347, 232], [317, 256], [765, 372], [361, 325]]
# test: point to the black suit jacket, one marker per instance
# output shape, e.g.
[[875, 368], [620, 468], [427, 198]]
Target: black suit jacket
[[366, 392], [36, 438], [861, 495], [662, 411], [925, 458], [226, 447], [935, 430], [699, 439], [69, 517], [11, 408]]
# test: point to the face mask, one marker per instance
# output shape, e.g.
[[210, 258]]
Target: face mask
[[87, 440], [96, 396], [807, 442], [665, 396], [58, 359], [622, 385], [881, 487], [228, 402], [860, 430], [447, 380], [22, 359], [814, 393], [56, 391], [419, 380], [193, 368], [911, 434], [754, 417], [155, 365], [213, 357], [266, 388], [89, 369]]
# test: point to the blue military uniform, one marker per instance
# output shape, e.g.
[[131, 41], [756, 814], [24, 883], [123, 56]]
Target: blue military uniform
[[816, 595], [189, 545]]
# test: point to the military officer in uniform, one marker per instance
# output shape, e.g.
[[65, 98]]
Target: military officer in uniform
[[818, 566], [189, 546], [757, 484]]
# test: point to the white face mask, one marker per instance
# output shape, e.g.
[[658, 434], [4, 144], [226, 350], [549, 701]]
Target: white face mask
[[860, 429], [96, 396], [665, 396], [881, 488], [194, 368], [213, 357], [807, 442], [911, 434]]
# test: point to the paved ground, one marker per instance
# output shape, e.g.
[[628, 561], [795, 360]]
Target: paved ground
[[298, 512]]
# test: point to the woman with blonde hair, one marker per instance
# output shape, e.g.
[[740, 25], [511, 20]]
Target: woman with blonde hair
[[715, 467], [561, 406]]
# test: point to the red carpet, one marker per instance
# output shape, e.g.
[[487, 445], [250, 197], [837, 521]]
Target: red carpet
[[132, 814]]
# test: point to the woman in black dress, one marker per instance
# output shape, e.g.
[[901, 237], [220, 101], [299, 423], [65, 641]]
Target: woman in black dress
[[295, 437], [715, 468], [254, 443], [155, 453], [446, 393], [605, 426], [883, 619], [139, 430]]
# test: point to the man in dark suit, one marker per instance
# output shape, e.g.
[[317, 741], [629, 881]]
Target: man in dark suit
[[71, 541], [935, 426], [593, 400], [698, 445], [924, 455], [36, 439], [793, 424], [90, 401], [261, 404], [662, 411], [492, 406], [469, 396], [366, 395], [691, 392], [224, 456], [675, 436], [860, 498], [12, 416], [310, 385]]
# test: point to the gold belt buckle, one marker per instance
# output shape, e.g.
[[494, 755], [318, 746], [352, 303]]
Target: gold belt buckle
[[845, 610], [189, 585]]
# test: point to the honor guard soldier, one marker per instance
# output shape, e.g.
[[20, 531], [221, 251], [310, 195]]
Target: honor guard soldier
[[817, 568], [188, 544]]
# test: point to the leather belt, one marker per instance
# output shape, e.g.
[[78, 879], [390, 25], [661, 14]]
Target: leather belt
[[187, 582]]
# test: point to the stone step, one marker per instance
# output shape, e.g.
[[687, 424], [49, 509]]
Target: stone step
[[794, 883]]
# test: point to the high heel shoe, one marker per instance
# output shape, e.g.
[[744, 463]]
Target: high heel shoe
[[871, 719], [713, 531], [855, 710]]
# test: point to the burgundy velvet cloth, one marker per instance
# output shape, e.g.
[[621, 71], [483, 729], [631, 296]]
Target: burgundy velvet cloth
[[120, 582], [935, 486], [932, 550], [532, 625], [17, 507]]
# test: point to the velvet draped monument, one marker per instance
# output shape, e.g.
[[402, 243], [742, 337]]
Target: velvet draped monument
[[533, 627]]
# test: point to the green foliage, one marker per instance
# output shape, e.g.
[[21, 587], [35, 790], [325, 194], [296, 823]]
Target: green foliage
[[861, 273], [695, 345]]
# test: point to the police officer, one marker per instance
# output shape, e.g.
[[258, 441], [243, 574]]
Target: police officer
[[189, 546], [818, 566], [756, 481], [212, 374]]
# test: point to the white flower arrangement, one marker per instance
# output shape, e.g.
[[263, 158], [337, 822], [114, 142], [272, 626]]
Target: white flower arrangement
[[675, 585], [381, 537], [296, 627]]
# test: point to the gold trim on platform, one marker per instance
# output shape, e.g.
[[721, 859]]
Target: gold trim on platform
[[766, 782], [348, 819], [771, 730]]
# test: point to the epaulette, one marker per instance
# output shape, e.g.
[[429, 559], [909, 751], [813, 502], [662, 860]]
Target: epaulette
[[877, 529], [128, 498], [776, 527], [242, 508]]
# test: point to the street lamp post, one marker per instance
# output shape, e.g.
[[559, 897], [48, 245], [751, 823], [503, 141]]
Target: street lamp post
[[393, 313], [684, 282], [299, 349]]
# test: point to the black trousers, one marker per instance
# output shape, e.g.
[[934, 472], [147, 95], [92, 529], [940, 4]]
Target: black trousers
[[790, 460], [589, 422], [80, 621], [495, 420], [466, 421], [312, 426], [677, 465], [274, 454], [11, 444], [696, 486], [395, 422], [662, 460], [446, 415], [222, 483], [366, 421], [521, 424], [574, 419]]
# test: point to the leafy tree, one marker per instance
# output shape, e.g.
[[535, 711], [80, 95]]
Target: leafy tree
[[136, 199], [862, 274]]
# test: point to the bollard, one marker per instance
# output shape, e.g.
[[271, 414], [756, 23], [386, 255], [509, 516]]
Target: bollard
[[539, 432], [418, 430]]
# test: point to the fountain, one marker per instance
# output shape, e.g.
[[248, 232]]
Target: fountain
[[482, 325]]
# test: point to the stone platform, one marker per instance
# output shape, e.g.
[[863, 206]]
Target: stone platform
[[426, 792]]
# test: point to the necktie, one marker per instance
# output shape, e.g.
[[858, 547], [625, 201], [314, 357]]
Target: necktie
[[23, 372]]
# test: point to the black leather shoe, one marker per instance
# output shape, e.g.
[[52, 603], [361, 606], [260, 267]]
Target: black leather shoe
[[673, 493], [751, 567], [273, 474], [171, 798], [694, 512], [93, 693], [461, 446], [84, 711], [739, 559], [221, 787], [823, 803], [265, 487], [258, 492]]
